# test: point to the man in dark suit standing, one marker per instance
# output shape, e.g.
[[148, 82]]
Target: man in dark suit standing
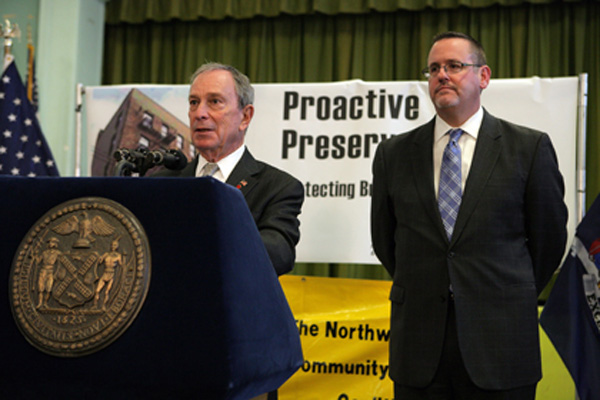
[[468, 218], [220, 111]]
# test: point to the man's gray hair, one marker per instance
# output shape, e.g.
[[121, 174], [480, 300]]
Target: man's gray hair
[[243, 88]]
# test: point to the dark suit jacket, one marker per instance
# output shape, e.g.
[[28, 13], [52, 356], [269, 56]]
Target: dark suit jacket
[[274, 198], [508, 239]]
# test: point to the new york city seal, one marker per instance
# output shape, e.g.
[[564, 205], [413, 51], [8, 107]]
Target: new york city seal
[[80, 277]]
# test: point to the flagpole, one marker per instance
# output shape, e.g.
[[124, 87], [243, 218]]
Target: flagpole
[[9, 31], [78, 103], [581, 139]]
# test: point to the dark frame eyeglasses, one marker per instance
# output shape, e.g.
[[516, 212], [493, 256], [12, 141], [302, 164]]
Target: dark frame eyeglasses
[[453, 67]]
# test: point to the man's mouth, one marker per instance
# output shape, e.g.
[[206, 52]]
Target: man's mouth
[[443, 88], [202, 130]]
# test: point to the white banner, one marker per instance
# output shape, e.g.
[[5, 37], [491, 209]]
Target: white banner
[[326, 134]]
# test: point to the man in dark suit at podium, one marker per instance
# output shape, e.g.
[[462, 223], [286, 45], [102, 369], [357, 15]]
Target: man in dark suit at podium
[[468, 218], [220, 111]]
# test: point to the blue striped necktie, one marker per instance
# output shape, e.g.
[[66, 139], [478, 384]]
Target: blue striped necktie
[[450, 191]]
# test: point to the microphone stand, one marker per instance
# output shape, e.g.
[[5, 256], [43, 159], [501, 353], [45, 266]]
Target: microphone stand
[[124, 168], [133, 161]]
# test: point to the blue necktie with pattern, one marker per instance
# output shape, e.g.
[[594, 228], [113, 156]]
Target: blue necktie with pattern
[[450, 191]]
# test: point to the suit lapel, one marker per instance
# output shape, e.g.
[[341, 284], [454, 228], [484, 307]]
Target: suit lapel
[[486, 154], [244, 174]]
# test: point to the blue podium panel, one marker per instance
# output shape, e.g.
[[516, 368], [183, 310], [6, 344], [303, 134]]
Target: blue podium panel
[[215, 323]]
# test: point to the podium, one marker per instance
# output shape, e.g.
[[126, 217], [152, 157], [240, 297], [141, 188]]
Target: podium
[[215, 323]]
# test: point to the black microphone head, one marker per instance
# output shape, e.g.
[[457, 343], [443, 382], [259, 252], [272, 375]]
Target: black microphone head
[[175, 159], [121, 154]]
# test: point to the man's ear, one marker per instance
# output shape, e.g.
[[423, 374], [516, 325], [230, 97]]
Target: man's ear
[[247, 114], [485, 74]]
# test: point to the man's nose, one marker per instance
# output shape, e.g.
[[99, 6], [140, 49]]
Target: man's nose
[[443, 74], [201, 112]]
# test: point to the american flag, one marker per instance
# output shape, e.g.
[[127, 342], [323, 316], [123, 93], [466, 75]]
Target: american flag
[[23, 149]]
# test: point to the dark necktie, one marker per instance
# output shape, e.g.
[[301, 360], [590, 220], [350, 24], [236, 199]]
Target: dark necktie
[[450, 191]]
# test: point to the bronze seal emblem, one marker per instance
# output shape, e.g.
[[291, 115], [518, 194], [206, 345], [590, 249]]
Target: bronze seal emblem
[[80, 277]]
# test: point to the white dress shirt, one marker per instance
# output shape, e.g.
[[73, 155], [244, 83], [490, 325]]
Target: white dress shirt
[[226, 165], [466, 142]]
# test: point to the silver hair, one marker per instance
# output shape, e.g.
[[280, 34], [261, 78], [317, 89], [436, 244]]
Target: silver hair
[[243, 88]]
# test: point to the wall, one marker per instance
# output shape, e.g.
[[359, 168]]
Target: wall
[[68, 36], [23, 13]]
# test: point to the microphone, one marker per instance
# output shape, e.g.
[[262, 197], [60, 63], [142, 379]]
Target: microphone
[[138, 157], [171, 159], [142, 159]]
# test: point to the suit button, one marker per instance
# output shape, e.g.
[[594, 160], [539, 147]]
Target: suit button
[[451, 254]]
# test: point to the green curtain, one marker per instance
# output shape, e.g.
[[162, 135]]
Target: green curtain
[[137, 11], [158, 41]]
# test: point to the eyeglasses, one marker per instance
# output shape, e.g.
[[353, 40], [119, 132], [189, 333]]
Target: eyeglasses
[[453, 67]]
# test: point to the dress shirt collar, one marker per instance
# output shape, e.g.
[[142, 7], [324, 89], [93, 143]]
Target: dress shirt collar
[[471, 126], [226, 165]]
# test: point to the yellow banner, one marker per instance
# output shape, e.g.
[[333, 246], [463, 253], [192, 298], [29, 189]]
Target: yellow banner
[[344, 326], [344, 329]]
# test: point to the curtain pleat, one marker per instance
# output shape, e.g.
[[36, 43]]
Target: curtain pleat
[[549, 40], [138, 11]]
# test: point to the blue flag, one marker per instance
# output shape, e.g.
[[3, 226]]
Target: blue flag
[[23, 149], [571, 316]]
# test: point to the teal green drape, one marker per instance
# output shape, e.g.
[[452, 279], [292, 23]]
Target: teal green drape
[[375, 40]]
